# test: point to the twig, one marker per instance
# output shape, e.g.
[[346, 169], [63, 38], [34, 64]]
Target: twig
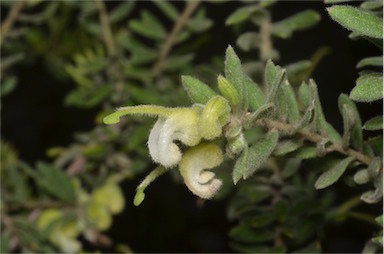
[[180, 23], [105, 28], [10, 19], [113, 68], [313, 137], [266, 42]]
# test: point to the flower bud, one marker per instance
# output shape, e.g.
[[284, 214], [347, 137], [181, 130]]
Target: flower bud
[[228, 91]]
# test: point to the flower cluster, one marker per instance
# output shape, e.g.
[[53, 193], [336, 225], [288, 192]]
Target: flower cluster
[[196, 128]]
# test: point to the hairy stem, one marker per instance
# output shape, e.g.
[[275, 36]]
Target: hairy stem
[[113, 68], [313, 137], [105, 28], [10, 19], [171, 39], [266, 42]]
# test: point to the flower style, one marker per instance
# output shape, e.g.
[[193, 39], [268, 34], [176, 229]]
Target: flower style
[[189, 126]]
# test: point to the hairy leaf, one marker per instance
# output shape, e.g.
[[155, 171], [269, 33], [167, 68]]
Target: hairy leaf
[[56, 182], [274, 76], [234, 72], [286, 104], [260, 152], [369, 87], [299, 21], [241, 14], [254, 94], [168, 9], [370, 61], [373, 124], [321, 124], [197, 91], [240, 165], [357, 20], [330, 176], [352, 121]]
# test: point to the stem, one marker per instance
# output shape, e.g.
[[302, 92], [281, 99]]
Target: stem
[[10, 19], [313, 137], [171, 39], [105, 27], [113, 68], [266, 42]]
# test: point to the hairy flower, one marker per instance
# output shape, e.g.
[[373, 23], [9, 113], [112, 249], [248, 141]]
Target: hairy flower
[[193, 167], [189, 126]]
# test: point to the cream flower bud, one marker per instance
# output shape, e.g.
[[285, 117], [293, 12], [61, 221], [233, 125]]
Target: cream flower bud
[[193, 169], [215, 115]]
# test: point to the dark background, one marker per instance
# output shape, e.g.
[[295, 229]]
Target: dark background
[[33, 119]]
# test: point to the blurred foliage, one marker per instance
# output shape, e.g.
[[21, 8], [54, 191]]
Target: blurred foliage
[[121, 54]]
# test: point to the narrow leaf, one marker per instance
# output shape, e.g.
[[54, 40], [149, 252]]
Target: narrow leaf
[[357, 20], [168, 9], [321, 124], [369, 88], [234, 72], [352, 121], [370, 61], [330, 176], [260, 152], [248, 41], [121, 11], [374, 124], [286, 104], [240, 165], [56, 182], [287, 146], [274, 76], [254, 94], [299, 21], [241, 14], [197, 91]]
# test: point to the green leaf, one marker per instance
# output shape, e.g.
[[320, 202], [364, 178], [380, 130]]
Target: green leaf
[[248, 41], [305, 95], [321, 124], [374, 124], [274, 75], [139, 53], [168, 9], [286, 104], [298, 72], [200, 25], [241, 14], [149, 26], [287, 146], [240, 165], [260, 152], [305, 152], [245, 233], [197, 91], [121, 11], [255, 96], [330, 176], [372, 5], [370, 61], [291, 166], [56, 182], [299, 21], [234, 72], [357, 20], [362, 176], [8, 84], [352, 122], [337, 1], [177, 62], [369, 88]]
